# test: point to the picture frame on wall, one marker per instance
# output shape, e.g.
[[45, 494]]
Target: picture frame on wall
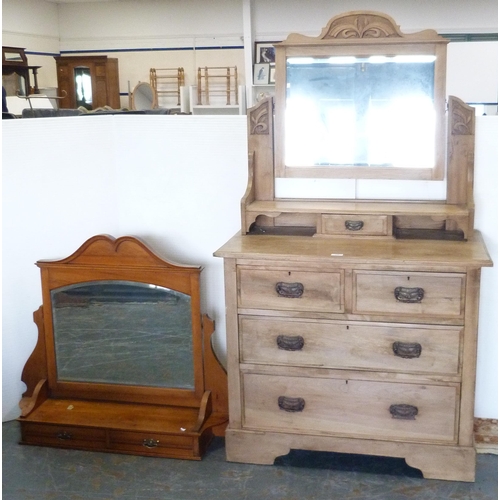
[[265, 52], [261, 74], [272, 69]]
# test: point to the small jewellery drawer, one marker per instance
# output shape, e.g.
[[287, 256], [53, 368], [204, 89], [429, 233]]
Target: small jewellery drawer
[[291, 290], [368, 225], [150, 443], [412, 293], [355, 408], [62, 436], [355, 345]]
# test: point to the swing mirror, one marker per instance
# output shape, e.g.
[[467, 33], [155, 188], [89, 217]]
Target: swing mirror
[[353, 103]]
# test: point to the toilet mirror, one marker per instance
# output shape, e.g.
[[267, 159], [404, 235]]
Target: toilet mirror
[[363, 100]]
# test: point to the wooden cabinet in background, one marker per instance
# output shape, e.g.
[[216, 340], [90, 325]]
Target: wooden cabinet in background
[[102, 75]]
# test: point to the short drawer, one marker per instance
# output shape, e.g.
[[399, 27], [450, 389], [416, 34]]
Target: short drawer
[[62, 436], [413, 293], [356, 408], [290, 290], [370, 346], [368, 225], [150, 443]]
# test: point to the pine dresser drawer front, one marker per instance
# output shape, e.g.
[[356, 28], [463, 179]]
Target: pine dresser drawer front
[[290, 290], [355, 408], [355, 225], [62, 435], [412, 293], [372, 346]]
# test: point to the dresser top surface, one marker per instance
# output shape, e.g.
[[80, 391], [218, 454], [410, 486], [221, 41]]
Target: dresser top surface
[[472, 253]]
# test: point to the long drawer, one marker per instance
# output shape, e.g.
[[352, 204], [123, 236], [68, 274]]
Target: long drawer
[[290, 290], [355, 408], [411, 293], [356, 345]]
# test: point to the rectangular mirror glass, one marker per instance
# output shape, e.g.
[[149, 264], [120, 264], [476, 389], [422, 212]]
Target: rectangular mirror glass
[[122, 332], [372, 111]]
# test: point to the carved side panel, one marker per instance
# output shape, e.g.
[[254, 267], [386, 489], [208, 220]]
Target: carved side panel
[[261, 148], [460, 168], [462, 118], [259, 119]]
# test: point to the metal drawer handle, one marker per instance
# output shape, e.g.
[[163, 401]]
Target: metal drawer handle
[[289, 290], [403, 412], [407, 349], [289, 343], [409, 295], [64, 436], [354, 225], [150, 443], [291, 404]]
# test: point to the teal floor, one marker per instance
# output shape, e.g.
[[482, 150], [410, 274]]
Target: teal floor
[[38, 473]]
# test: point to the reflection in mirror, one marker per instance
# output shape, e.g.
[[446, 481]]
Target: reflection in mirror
[[12, 56], [83, 87], [143, 97], [122, 332], [360, 111], [14, 84]]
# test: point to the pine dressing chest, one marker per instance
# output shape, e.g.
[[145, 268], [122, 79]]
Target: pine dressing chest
[[352, 323]]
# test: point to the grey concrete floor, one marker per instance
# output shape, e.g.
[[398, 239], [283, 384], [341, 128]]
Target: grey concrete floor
[[38, 473]]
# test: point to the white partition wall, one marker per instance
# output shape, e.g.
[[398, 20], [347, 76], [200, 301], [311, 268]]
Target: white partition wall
[[175, 181]]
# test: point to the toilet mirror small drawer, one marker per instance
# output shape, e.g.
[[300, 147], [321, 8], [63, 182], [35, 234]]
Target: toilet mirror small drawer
[[62, 435], [355, 225], [291, 290], [147, 442]]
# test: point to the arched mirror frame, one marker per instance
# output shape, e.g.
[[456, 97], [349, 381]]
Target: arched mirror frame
[[78, 269], [362, 34], [103, 258]]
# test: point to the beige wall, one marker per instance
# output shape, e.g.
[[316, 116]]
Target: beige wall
[[445, 16], [187, 33]]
